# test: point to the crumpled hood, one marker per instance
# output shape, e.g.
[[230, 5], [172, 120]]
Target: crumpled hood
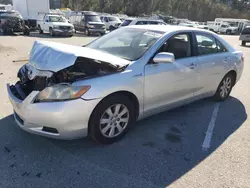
[[52, 56]]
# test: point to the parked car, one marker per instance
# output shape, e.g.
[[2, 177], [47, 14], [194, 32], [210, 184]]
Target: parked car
[[223, 27], [101, 89], [88, 22], [12, 21], [245, 36], [141, 21], [111, 22], [55, 25]]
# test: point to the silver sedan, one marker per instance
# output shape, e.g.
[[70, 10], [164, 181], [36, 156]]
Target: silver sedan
[[101, 89]]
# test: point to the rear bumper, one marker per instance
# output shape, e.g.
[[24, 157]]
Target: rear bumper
[[68, 119]]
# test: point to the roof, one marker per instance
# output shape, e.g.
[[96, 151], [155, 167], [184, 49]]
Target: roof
[[168, 28]]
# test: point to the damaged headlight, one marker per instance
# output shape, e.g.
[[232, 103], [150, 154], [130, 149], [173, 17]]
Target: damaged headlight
[[61, 92]]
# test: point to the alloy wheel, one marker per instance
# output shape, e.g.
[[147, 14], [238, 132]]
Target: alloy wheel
[[226, 87], [114, 120]]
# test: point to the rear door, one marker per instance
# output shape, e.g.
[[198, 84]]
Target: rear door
[[212, 57]]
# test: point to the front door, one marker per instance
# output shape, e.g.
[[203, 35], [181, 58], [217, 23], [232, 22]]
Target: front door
[[170, 83]]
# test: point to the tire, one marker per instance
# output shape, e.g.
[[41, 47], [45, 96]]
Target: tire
[[51, 32], [243, 43], [225, 85], [87, 33], [40, 30], [97, 130], [26, 30], [111, 28], [228, 32]]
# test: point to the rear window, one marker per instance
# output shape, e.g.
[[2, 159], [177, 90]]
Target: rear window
[[246, 31], [126, 22]]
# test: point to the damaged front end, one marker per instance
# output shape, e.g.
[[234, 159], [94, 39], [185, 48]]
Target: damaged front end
[[52, 68]]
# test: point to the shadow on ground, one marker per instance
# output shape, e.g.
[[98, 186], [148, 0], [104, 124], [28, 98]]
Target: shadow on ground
[[155, 153]]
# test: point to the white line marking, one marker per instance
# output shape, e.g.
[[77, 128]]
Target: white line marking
[[209, 133]]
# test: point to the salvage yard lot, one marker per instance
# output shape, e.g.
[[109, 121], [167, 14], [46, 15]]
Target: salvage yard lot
[[163, 150]]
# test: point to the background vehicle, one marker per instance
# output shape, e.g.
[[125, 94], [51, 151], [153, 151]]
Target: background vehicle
[[29, 9], [12, 21], [245, 36], [240, 24], [101, 89], [111, 22], [55, 25], [87, 22], [141, 21], [222, 27]]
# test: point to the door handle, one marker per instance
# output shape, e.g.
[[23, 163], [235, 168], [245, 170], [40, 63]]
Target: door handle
[[192, 65]]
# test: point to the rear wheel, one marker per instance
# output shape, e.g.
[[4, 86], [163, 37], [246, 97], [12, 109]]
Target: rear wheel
[[225, 87], [111, 119], [243, 43]]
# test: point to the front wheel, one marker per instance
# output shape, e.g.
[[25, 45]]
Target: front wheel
[[243, 43], [228, 32], [87, 32], [225, 87], [40, 29], [111, 119], [51, 32]]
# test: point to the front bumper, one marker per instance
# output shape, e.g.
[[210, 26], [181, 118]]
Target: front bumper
[[63, 32], [94, 30], [69, 118]]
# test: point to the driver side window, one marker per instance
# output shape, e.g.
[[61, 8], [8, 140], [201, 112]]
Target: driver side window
[[179, 45]]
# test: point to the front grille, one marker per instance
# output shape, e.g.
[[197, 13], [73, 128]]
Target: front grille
[[98, 26], [64, 27], [18, 118]]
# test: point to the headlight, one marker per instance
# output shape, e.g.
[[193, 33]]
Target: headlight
[[55, 27], [62, 92]]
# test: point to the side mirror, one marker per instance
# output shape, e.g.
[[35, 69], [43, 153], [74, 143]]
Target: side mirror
[[164, 57]]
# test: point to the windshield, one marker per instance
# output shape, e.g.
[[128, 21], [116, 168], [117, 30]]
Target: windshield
[[57, 19], [127, 43], [93, 18], [113, 19], [246, 31], [126, 22]]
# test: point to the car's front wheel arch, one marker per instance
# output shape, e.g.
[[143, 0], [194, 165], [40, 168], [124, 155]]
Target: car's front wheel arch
[[132, 97]]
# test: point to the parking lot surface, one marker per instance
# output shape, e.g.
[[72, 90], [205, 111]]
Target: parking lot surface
[[172, 149]]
